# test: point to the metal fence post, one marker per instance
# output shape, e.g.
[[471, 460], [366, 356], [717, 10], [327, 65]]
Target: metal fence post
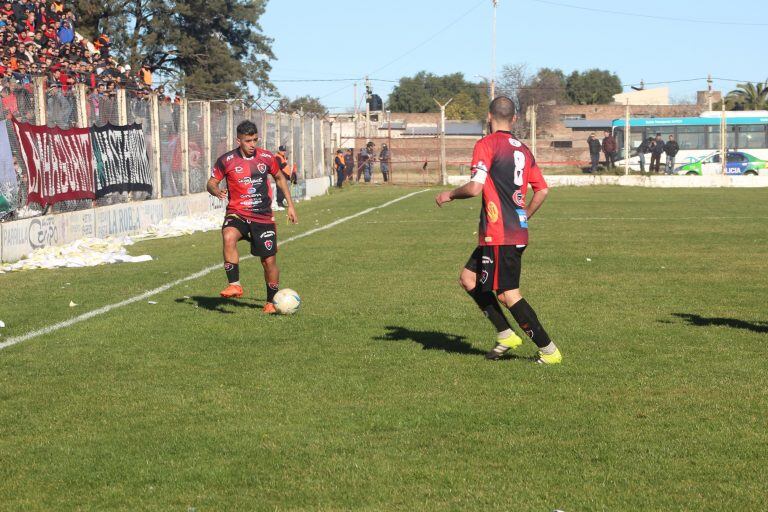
[[263, 126], [207, 135], [314, 153], [154, 117], [122, 107], [82, 112], [292, 139], [302, 170], [41, 117], [277, 130], [230, 124], [184, 136], [322, 147]]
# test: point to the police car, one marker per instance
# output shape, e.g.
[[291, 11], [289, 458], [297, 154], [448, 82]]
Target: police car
[[736, 163]]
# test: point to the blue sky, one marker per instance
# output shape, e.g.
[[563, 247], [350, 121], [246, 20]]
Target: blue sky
[[661, 41]]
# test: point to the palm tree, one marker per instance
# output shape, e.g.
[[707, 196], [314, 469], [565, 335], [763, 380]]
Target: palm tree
[[748, 96]]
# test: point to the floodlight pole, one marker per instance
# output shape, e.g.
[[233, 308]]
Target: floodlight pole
[[493, 52], [443, 167]]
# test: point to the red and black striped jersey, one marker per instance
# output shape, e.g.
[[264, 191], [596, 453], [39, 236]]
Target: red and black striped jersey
[[250, 194], [505, 167]]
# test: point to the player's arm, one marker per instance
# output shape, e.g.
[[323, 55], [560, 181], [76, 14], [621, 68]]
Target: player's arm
[[213, 188], [540, 190], [282, 182], [466, 191]]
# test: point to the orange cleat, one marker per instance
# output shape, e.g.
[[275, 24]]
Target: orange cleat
[[269, 308], [231, 291]]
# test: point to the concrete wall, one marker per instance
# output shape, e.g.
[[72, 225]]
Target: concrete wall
[[645, 181], [21, 237]]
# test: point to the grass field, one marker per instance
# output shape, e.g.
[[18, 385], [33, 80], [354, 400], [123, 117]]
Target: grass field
[[376, 396]]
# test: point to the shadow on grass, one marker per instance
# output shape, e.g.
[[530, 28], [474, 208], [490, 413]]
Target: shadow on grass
[[733, 323], [219, 304], [435, 340]]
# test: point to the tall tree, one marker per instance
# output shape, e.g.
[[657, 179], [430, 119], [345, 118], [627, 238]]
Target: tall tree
[[592, 87], [748, 96], [417, 93], [306, 104], [208, 48]]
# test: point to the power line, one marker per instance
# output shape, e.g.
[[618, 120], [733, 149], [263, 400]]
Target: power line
[[650, 16], [429, 39]]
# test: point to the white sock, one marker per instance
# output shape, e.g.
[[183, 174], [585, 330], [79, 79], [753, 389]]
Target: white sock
[[236, 283], [504, 334], [549, 349]]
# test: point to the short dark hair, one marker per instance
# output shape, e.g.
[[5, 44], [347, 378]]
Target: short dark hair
[[247, 128], [502, 108]]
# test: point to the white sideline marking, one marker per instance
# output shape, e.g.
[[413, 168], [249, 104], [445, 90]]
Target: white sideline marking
[[160, 289]]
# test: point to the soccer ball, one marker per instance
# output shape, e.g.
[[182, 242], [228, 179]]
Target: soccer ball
[[286, 301]]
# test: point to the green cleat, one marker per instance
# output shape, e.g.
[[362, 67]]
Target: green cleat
[[554, 358], [503, 346]]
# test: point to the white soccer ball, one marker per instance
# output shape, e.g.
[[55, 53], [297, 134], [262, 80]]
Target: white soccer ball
[[286, 301]]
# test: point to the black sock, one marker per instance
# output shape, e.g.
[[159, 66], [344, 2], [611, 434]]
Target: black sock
[[488, 304], [526, 318], [233, 271], [271, 291]]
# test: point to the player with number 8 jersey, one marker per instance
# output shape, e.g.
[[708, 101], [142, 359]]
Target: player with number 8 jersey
[[502, 169]]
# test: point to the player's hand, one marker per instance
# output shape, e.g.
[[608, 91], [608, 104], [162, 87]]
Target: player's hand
[[292, 215], [443, 197], [221, 194]]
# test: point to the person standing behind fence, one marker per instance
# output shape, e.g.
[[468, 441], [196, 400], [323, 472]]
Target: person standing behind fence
[[282, 164], [594, 152], [609, 149], [349, 164], [384, 161], [657, 149], [338, 166], [362, 158], [671, 148], [642, 150], [370, 151]]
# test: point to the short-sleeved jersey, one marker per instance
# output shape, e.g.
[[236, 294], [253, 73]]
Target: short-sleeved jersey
[[505, 167], [250, 194]]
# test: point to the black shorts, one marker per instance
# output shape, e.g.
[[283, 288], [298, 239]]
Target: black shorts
[[497, 267], [263, 237]]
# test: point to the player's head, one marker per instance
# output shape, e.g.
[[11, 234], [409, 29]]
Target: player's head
[[281, 149], [502, 113], [247, 137]]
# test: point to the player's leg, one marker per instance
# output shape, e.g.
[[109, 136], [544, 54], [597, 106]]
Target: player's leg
[[486, 301], [230, 235], [264, 245], [509, 294]]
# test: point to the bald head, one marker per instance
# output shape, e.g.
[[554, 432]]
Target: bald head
[[502, 109]]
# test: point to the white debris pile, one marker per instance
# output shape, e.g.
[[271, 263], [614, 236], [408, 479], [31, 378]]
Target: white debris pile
[[184, 225], [89, 252]]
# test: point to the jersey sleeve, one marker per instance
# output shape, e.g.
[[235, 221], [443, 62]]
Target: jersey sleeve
[[482, 158], [218, 172], [274, 167], [281, 163], [535, 177]]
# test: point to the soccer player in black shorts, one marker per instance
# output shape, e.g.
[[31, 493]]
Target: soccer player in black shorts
[[502, 169], [249, 208]]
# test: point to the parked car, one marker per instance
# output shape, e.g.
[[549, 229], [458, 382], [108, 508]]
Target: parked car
[[737, 162]]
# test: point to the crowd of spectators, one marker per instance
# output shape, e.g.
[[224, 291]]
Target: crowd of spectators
[[40, 38]]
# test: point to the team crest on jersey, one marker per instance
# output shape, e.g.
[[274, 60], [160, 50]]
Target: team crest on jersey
[[483, 276], [268, 244], [519, 198], [515, 143], [262, 168], [492, 211]]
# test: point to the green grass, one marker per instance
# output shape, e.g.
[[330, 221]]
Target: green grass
[[376, 395]]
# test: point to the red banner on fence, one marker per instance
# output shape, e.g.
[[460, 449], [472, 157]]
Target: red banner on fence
[[59, 163]]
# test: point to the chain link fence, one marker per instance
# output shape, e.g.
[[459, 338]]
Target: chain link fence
[[180, 153]]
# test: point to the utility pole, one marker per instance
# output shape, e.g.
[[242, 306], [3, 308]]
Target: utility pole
[[493, 52], [443, 169], [627, 134], [723, 139], [709, 92], [355, 118], [367, 108]]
